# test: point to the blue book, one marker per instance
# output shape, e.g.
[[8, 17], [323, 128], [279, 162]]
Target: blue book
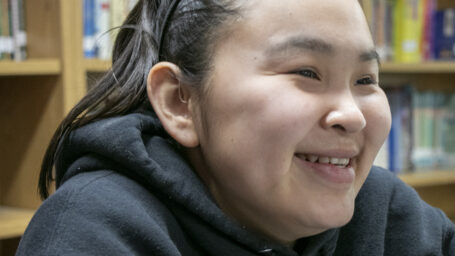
[[444, 34], [89, 40], [400, 142]]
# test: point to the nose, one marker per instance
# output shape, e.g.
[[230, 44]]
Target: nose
[[345, 115]]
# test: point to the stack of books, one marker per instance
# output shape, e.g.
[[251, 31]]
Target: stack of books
[[411, 30], [422, 136], [102, 18], [13, 39]]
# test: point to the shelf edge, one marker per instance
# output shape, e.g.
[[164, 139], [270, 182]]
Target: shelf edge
[[14, 221], [30, 67], [429, 178]]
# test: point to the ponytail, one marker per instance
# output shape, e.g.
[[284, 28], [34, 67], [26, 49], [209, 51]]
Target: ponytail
[[181, 32]]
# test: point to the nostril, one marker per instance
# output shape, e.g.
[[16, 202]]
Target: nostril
[[340, 127]]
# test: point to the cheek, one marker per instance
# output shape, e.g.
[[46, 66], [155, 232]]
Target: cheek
[[254, 130], [378, 117]]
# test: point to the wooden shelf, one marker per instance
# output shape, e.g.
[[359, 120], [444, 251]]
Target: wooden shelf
[[428, 179], [30, 67], [96, 65], [435, 67], [13, 221]]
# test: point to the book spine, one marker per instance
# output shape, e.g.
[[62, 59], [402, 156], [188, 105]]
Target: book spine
[[389, 29], [379, 28], [2, 42], [444, 46], [89, 41], [428, 30], [448, 132], [15, 24], [394, 145], [409, 17], [22, 35], [102, 27], [6, 34]]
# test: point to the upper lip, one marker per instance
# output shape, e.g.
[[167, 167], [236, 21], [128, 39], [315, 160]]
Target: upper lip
[[337, 153]]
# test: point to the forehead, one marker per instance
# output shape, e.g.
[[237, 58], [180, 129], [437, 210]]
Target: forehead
[[270, 22]]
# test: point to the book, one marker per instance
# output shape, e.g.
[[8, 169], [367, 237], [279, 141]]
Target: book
[[422, 135], [19, 37], [2, 43], [388, 28], [6, 37], [89, 39], [399, 141], [379, 27], [448, 133], [408, 24], [428, 38], [444, 42], [102, 22]]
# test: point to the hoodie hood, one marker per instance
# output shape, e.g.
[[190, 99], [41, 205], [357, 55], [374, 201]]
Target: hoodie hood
[[137, 146]]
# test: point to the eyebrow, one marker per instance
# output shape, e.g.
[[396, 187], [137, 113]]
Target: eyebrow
[[315, 45]]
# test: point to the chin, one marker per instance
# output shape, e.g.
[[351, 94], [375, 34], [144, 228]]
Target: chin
[[334, 217]]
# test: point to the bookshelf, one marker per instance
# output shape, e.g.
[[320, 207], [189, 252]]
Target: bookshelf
[[30, 67], [429, 179], [36, 94], [434, 67], [13, 221]]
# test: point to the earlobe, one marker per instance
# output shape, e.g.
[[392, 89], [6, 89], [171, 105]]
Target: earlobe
[[172, 102]]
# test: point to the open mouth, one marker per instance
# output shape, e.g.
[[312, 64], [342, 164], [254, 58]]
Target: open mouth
[[337, 161]]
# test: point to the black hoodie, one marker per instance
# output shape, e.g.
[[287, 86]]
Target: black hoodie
[[123, 189]]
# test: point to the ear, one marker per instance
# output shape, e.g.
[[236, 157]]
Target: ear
[[172, 102]]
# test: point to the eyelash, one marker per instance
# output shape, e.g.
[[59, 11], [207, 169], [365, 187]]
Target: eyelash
[[308, 73], [368, 81], [313, 75]]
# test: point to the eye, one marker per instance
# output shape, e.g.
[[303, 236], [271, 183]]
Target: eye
[[307, 73], [366, 81]]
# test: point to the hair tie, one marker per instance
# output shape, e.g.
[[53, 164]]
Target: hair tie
[[169, 13]]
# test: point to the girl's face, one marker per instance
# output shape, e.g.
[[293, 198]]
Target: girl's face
[[293, 117]]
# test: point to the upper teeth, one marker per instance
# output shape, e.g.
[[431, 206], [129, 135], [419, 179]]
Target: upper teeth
[[325, 160]]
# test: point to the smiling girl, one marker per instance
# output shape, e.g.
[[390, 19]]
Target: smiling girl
[[233, 127]]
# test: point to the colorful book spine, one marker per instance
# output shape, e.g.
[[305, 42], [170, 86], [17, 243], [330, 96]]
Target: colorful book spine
[[422, 136], [102, 20], [427, 46], [444, 42], [89, 40], [408, 30], [400, 136]]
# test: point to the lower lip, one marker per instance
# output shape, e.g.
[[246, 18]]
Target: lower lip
[[330, 172]]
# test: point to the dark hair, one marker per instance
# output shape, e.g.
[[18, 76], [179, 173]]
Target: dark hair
[[189, 37]]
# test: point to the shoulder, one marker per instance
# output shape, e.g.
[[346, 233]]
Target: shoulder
[[390, 218], [97, 213]]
